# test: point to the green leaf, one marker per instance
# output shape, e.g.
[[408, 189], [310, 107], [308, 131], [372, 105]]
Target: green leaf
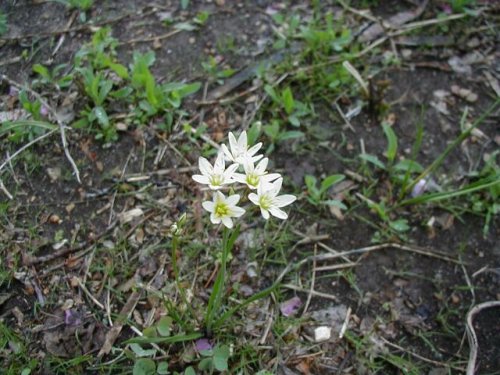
[[119, 69], [150, 332], [101, 116], [164, 326], [272, 130], [122, 93], [336, 203], [330, 181], [372, 159], [186, 90], [105, 88], [184, 4], [290, 135], [186, 26], [221, 355], [311, 187], [409, 166], [140, 352], [166, 340], [288, 101], [400, 225], [162, 368], [42, 70], [189, 371], [272, 93], [253, 132], [205, 364], [294, 120], [144, 366], [392, 142], [7, 126]]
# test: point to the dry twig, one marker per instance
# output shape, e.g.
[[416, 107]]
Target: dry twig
[[57, 118]]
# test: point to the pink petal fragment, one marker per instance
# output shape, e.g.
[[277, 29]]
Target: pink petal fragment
[[290, 307], [203, 344]]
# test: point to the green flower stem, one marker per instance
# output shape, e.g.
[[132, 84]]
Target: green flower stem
[[215, 301]]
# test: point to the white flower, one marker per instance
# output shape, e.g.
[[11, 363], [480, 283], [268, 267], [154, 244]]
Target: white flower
[[239, 149], [255, 174], [222, 209], [269, 201], [217, 175]]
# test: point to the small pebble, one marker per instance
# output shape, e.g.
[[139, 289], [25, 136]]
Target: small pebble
[[322, 333]]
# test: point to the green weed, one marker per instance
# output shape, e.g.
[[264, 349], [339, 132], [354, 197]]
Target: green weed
[[317, 195], [3, 23]]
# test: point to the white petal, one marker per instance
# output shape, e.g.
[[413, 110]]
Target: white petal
[[226, 152], [257, 158], [232, 200], [280, 214], [219, 197], [253, 150], [233, 144], [261, 167], [254, 198], [214, 187], [208, 205], [205, 167], [228, 173], [284, 200], [237, 211], [240, 177], [215, 219], [201, 179], [226, 220], [276, 187], [265, 213], [242, 141], [220, 164], [270, 177], [248, 165]]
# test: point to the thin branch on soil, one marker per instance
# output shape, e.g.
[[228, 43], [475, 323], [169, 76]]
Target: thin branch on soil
[[87, 292], [307, 239], [150, 38], [311, 292], [139, 333], [418, 356], [122, 318], [63, 37], [268, 328], [359, 251], [313, 280], [9, 158], [346, 120], [5, 191], [471, 333], [346, 322], [29, 260], [56, 116]]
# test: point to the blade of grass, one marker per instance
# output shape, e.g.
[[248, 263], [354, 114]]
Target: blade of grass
[[431, 168]]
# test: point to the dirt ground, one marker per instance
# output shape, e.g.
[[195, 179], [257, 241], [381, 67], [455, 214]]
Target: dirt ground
[[69, 259]]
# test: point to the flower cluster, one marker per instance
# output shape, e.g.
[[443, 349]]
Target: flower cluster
[[241, 157]]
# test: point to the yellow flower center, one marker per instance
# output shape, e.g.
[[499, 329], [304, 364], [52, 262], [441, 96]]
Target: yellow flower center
[[253, 179], [216, 180], [265, 202], [221, 209]]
